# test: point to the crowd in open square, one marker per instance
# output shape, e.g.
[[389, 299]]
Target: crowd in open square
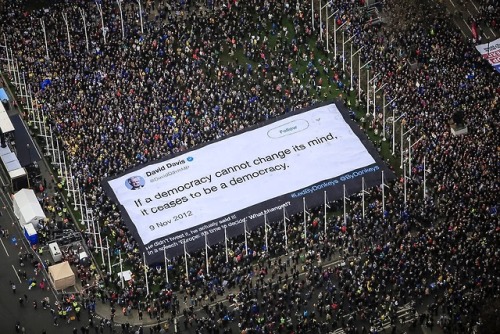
[[123, 83]]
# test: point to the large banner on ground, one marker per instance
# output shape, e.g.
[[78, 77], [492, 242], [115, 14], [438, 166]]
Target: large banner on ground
[[491, 52], [215, 189]]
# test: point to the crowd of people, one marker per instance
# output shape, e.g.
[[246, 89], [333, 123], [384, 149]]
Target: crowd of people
[[185, 74], [489, 13]]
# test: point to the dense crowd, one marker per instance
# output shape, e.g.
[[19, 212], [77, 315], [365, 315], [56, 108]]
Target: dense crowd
[[489, 13], [181, 83]]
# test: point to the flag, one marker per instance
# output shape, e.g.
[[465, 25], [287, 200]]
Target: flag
[[473, 28], [45, 83]]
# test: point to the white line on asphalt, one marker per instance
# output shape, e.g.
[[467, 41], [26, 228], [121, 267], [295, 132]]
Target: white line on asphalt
[[15, 272], [492, 32], [465, 35], [453, 3], [4, 247], [7, 203], [472, 2], [467, 25]]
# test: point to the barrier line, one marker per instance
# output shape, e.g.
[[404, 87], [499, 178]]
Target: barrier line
[[5, 248], [15, 272]]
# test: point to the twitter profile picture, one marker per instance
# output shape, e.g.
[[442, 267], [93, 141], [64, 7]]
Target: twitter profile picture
[[135, 182]]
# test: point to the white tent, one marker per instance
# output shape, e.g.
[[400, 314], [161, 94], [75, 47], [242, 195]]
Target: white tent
[[61, 275], [27, 208], [5, 123]]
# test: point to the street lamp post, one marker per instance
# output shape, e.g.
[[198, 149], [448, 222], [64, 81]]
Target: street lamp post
[[375, 91], [359, 73], [383, 115], [119, 3], [368, 81], [82, 14], [326, 206], [312, 14], [206, 255], [383, 186], [404, 184], [285, 229], [345, 205], [140, 16], [367, 91], [65, 18], [321, 19], [305, 219], [45, 38], [410, 146], [343, 48], [7, 53], [394, 131], [352, 55], [99, 8], [19, 83], [335, 29], [166, 263], [328, 29], [402, 142], [186, 255], [425, 172]]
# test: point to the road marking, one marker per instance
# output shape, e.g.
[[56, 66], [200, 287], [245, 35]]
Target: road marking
[[492, 32], [4, 247], [15, 272], [472, 2], [467, 25], [7, 203], [453, 3]]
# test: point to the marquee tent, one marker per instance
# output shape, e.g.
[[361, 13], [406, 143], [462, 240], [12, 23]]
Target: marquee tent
[[61, 275], [27, 208]]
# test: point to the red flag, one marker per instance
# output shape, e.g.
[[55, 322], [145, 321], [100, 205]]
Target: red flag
[[474, 30]]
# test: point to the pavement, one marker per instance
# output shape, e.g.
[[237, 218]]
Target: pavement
[[462, 12], [33, 320]]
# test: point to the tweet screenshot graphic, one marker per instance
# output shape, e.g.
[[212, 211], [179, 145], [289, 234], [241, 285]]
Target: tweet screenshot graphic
[[216, 188]]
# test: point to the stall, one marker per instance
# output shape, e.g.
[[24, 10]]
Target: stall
[[27, 208], [6, 125], [31, 234], [61, 275], [17, 174]]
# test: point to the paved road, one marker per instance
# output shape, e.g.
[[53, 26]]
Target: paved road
[[34, 321], [462, 12]]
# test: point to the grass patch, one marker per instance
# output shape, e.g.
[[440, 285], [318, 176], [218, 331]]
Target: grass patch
[[329, 92]]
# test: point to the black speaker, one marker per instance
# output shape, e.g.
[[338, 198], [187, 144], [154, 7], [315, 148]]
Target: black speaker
[[2, 140], [6, 104], [458, 117]]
